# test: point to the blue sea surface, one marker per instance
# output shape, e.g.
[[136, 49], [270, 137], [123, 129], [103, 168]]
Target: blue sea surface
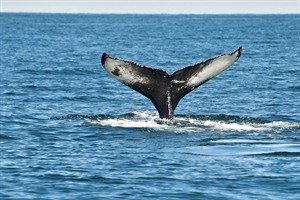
[[68, 130]]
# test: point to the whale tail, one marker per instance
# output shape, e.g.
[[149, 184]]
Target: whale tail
[[164, 90]]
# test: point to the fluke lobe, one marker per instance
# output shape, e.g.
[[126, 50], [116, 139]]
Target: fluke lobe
[[164, 90]]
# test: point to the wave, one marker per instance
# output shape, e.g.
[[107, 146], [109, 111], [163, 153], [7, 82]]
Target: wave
[[181, 123], [270, 149]]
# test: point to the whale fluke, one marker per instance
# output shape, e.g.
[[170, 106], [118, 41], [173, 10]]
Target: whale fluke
[[164, 90]]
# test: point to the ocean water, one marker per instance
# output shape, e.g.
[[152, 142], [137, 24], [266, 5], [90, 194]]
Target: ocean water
[[70, 131]]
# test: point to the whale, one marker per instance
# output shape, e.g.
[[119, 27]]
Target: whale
[[163, 89]]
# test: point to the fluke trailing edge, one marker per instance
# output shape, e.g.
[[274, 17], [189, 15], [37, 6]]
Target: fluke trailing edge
[[164, 90]]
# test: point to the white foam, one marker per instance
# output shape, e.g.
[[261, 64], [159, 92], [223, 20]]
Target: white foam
[[189, 125], [227, 126], [219, 125], [280, 124], [126, 123], [140, 120]]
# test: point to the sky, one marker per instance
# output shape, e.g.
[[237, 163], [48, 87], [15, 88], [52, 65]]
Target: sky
[[154, 6]]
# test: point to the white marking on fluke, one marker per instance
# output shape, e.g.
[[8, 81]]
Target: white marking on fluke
[[215, 67]]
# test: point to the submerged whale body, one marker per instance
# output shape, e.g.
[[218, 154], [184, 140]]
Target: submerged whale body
[[164, 90]]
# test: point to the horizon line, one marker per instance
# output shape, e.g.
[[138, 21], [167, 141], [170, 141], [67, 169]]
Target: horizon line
[[133, 13]]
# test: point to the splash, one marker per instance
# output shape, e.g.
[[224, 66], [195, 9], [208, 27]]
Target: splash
[[182, 123]]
